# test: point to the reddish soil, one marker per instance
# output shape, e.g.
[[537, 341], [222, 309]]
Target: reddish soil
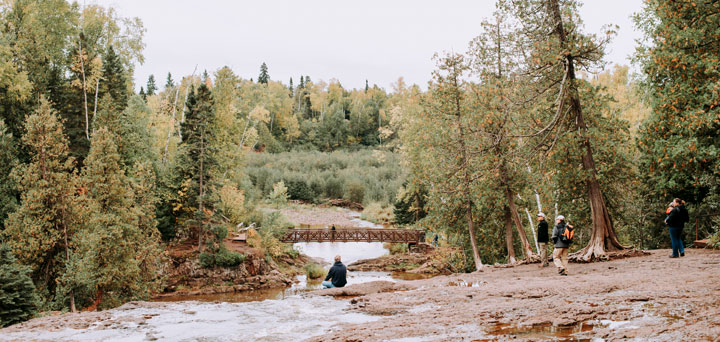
[[649, 297]]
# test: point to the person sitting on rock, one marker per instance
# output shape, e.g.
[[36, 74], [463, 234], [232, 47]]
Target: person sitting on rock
[[338, 274]]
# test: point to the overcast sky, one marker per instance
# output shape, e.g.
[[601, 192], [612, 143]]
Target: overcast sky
[[377, 40]]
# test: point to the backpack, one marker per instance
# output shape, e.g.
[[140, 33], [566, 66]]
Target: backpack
[[567, 235]]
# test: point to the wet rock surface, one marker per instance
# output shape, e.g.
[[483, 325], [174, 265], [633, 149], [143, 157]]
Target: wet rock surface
[[649, 298]]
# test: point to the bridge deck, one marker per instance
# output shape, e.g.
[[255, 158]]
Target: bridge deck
[[354, 235]]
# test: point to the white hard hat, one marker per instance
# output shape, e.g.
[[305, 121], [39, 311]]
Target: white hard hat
[[560, 217], [541, 215]]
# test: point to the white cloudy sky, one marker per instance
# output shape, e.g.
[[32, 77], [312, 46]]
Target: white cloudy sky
[[377, 40]]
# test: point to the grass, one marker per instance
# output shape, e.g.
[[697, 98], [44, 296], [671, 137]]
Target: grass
[[314, 271]]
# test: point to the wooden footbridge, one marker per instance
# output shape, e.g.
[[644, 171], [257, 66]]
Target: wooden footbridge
[[293, 235]]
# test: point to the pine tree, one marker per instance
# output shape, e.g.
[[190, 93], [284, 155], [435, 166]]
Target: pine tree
[[142, 94], [114, 80], [118, 250], [8, 160], [264, 77], [169, 83], [42, 229], [302, 82], [18, 300], [291, 88], [367, 86], [196, 159], [151, 87]]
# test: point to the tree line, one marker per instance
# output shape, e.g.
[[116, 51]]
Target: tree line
[[523, 122]]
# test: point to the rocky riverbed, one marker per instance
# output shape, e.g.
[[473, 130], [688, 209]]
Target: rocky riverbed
[[647, 298]]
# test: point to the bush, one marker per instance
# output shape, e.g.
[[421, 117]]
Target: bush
[[18, 300], [377, 213], [298, 189], [396, 248], [221, 257], [355, 192], [314, 271]]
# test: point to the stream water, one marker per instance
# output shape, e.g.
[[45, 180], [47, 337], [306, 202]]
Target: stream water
[[283, 314]]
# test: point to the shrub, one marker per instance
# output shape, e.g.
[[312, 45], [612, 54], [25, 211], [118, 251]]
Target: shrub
[[355, 191], [298, 189], [221, 257], [18, 300], [279, 195], [377, 213], [314, 271], [396, 248]]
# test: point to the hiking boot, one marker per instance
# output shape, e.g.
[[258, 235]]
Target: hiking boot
[[674, 256], [563, 274], [561, 271], [682, 254]]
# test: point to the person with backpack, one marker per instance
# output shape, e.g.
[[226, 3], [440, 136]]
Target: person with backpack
[[676, 220], [542, 239], [562, 236]]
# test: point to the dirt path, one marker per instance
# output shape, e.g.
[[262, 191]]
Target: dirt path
[[315, 216], [649, 298]]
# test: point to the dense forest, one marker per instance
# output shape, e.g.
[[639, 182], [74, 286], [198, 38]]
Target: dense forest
[[98, 179]]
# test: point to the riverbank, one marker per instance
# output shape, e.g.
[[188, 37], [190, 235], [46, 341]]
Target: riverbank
[[650, 297]]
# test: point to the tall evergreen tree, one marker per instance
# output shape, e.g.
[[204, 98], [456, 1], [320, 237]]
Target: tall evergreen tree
[[151, 86], [196, 159], [114, 80], [302, 82], [142, 93], [8, 160], [108, 259], [264, 77], [291, 88], [169, 83], [42, 230], [18, 300]]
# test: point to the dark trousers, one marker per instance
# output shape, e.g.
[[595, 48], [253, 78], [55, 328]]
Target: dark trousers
[[677, 244]]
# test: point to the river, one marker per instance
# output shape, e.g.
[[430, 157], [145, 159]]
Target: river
[[285, 314]]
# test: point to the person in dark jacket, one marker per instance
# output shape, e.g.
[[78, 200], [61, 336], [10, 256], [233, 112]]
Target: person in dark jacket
[[337, 273], [560, 254], [676, 223], [542, 238]]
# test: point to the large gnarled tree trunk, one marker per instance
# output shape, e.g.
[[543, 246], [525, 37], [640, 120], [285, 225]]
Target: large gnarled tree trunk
[[603, 238]]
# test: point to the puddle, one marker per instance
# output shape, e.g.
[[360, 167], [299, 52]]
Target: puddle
[[462, 283], [546, 331]]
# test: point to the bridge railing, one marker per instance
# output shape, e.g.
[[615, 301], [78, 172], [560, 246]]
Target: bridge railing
[[353, 235]]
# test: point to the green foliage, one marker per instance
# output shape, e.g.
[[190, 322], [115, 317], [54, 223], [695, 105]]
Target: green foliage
[[396, 248], [279, 195], [264, 77], [364, 175], [221, 258], [410, 205], [680, 142], [151, 86], [314, 271], [118, 250], [41, 230], [8, 160], [18, 300], [378, 213]]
